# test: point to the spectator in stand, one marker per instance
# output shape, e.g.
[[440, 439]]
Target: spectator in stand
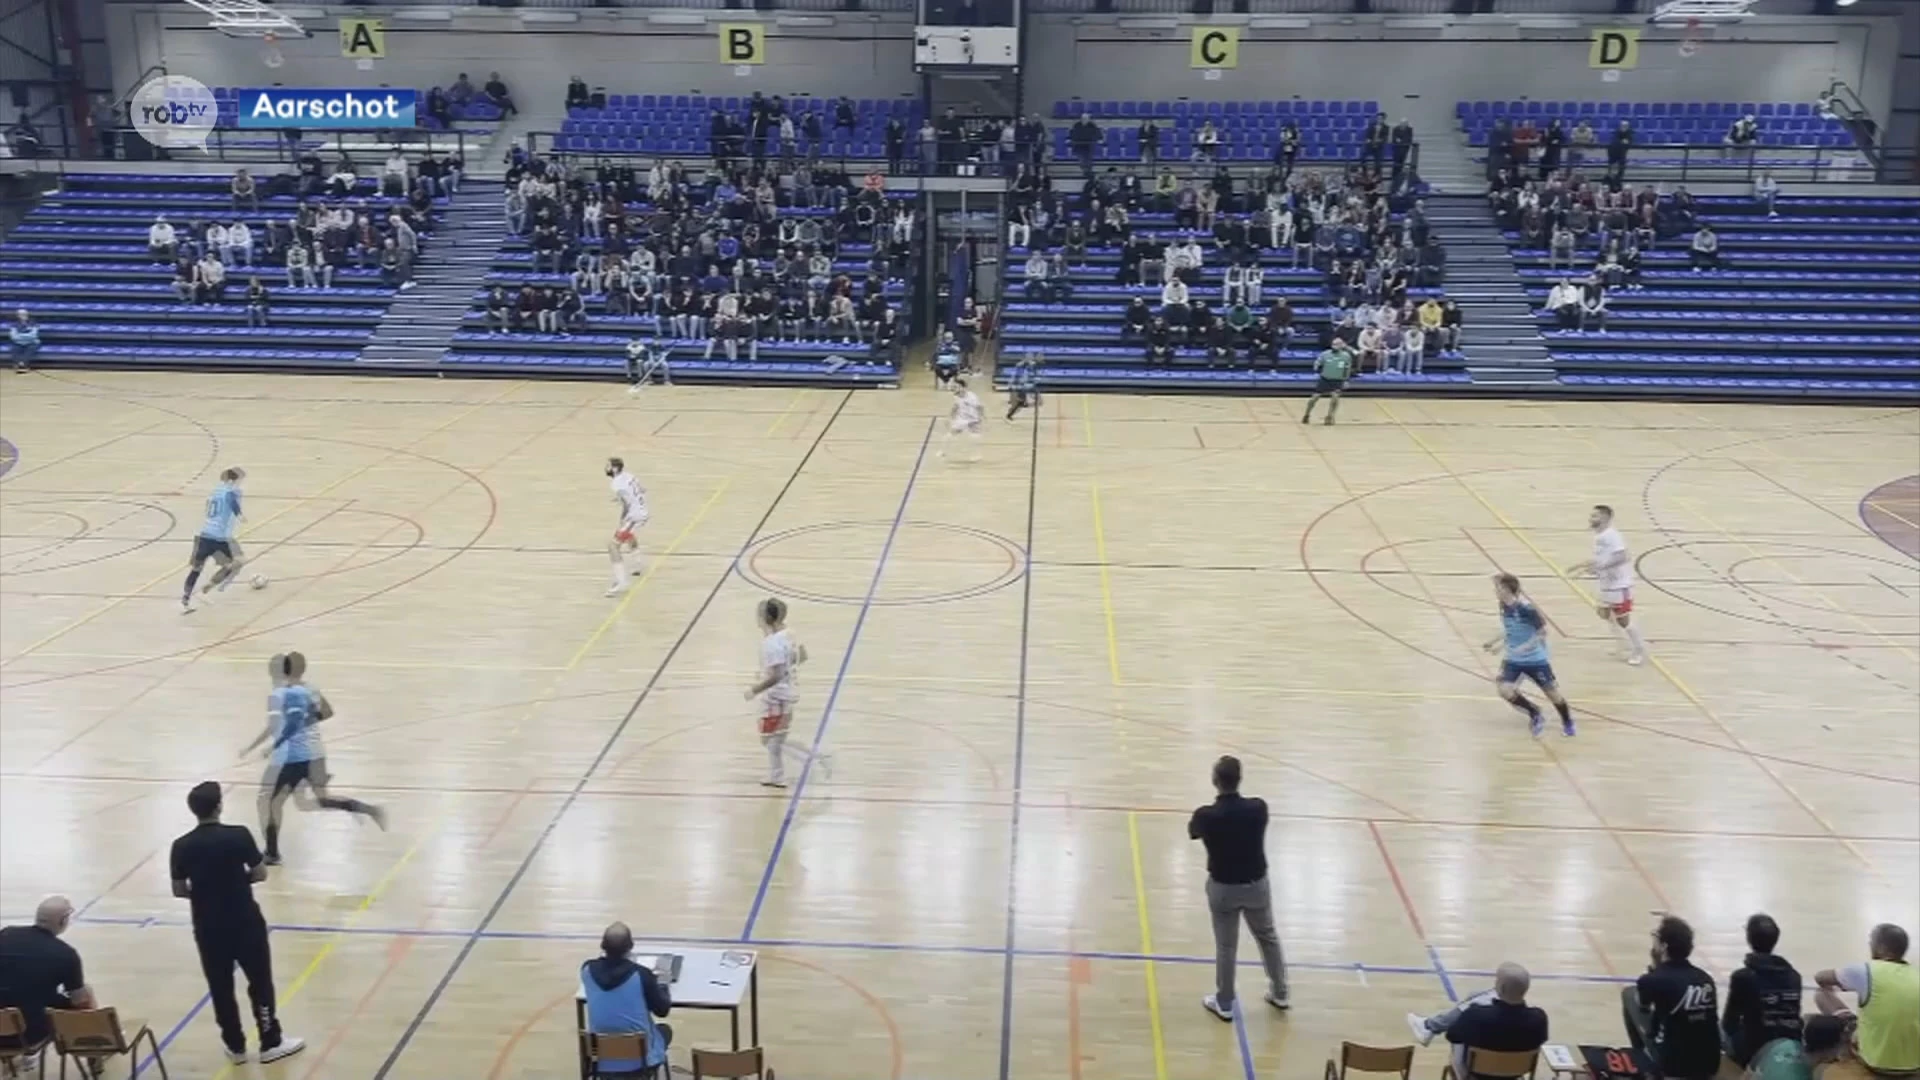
[[1206, 143], [1083, 138], [1766, 192], [1173, 305], [1581, 143], [390, 264], [577, 94], [526, 310], [1560, 249], [1159, 342], [461, 91], [439, 108], [1886, 1012], [23, 337], [1672, 1011], [24, 138], [1593, 305], [1134, 321], [1498, 1019], [1148, 137], [1617, 146], [1287, 150], [1552, 145], [323, 265], [258, 303], [1035, 286], [1451, 320], [209, 280], [1822, 1041], [1704, 252], [299, 268], [39, 972], [1763, 997], [1563, 300], [394, 173], [183, 284], [238, 248], [1740, 138], [160, 239], [244, 191], [1401, 141], [1373, 141], [496, 91], [106, 120], [408, 242]]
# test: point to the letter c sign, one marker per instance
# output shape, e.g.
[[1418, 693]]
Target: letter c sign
[[1215, 47]]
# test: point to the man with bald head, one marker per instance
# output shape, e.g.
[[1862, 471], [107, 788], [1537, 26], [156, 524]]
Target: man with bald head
[[1496, 1019], [38, 971], [622, 999]]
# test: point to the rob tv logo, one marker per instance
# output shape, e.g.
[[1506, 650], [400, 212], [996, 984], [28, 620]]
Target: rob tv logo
[[175, 112]]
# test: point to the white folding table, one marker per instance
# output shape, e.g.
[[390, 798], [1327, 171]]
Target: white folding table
[[718, 980]]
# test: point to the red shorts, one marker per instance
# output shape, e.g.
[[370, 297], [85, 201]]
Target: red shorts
[[775, 720], [1618, 601], [624, 534]]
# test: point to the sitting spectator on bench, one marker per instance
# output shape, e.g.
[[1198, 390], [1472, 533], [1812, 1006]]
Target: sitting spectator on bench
[[395, 173], [257, 303], [322, 265], [1763, 997], [622, 998], [498, 313], [160, 239], [1497, 1019], [38, 971], [1593, 305], [1766, 192], [439, 108], [461, 91], [1704, 253], [183, 287], [23, 336], [577, 94], [209, 280], [1159, 342], [1886, 1012], [1822, 1041], [244, 191], [496, 91], [1035, 286], [1672, 1011], [1133, 323], [238, 248], [1560, 249], [1563, 300], [1173, 304], [1741, 137], [299, 269]]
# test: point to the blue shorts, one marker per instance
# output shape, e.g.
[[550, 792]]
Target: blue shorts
[[1540, 671]]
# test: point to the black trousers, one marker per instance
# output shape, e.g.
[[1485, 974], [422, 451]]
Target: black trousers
[[244, 945]]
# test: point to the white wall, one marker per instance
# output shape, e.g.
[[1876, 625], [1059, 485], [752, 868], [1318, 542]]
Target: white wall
[[1459, 59]]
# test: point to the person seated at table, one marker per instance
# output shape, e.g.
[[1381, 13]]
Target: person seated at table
[[622, 998]]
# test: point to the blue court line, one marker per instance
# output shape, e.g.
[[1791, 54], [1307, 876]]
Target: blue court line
[[1440, 969], [1019, 764], [606, 748], [833, 695], [205, 999], [1240, 1036]]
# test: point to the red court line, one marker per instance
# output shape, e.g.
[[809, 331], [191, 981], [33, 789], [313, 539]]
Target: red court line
[[1399, 886]]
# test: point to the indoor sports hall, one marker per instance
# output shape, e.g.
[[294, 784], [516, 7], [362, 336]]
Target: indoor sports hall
[[1027, 640]]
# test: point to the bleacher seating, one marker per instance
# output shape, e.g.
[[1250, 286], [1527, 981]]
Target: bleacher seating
[[1667, 123], [1823, 300], [598, 347], [677, 124], [79, 262], [1329, 130]]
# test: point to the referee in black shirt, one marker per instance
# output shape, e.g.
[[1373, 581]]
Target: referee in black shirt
[[213, 869], [1235, 832]]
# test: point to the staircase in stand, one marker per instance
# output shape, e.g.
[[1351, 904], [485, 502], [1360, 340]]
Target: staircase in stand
[[418, 327], [1500, 337]]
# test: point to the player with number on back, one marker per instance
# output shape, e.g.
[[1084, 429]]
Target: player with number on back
[[780, 660], [1524, 636], [215, 539], [295, 758], [1612, 567], [633, 515], [965, 418]]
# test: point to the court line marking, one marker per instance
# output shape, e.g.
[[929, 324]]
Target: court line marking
[[1018, 798], [1652, 658], [499, 903], [1156, 1029], [833, 695], [653, 565], [254, 528]]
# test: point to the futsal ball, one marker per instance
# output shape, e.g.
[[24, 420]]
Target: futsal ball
[[259, 581]]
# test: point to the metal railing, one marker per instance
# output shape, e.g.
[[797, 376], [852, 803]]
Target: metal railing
[[252, 146], [1723, 163]]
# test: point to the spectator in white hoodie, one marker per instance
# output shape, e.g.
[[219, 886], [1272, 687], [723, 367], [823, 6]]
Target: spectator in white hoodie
[[160, 239]]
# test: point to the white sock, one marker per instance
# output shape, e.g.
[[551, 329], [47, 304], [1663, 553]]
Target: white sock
[[1635, 640], [620, 574], [777, 766]]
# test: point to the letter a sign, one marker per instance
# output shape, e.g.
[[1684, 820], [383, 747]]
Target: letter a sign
[[363, 39], [1215, 47], [743, 43], [1615, 49]]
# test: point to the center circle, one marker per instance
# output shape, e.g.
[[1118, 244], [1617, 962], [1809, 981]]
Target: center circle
[[835, 559]]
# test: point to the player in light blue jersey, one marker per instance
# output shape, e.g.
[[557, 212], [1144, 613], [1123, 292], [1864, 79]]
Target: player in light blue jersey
[[216, 539], [295, 757], [1523, 634]]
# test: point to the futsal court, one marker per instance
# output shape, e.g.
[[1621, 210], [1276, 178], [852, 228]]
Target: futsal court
[[1023, 667]]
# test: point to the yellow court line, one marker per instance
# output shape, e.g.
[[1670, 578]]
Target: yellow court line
[[1154, 1024], [1701, 513], [263, 523], [784, 413], [1668, 673], [653, 565]]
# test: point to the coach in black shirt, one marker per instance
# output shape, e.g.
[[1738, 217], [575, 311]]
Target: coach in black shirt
[[1672, 1011], [1234, 830], [38, 971], [213, 869]]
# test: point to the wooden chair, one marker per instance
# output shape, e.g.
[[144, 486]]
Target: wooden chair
[[1370, 1059], [1496, 1065], [731, 1064], [620, 1047], [14, 1047], [94, 1036]]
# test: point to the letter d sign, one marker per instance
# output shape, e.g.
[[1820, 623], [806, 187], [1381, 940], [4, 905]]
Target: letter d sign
[[743, 43], [1614, 49]]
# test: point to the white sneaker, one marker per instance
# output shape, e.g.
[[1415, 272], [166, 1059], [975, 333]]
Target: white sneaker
[[1279, 1001], [614, 591], [1422, 1034], [289, 1046], [236, 1057], [1637, 659], [1211, 1003]]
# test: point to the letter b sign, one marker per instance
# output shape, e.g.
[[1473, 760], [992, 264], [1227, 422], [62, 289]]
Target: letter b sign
[[743, 43]]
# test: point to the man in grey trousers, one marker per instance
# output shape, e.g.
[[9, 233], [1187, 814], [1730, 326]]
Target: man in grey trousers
[[1235, 832]]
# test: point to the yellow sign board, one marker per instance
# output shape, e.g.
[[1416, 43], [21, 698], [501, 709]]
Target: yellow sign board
[[743, 43], [1614, 49], [1215, 47], [363, 39]]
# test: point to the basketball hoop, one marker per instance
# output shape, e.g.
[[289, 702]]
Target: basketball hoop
[[270, 53], [1690, 42]]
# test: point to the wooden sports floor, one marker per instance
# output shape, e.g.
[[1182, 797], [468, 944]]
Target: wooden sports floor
[[1024, 668]]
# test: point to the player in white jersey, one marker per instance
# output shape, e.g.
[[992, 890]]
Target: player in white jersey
[[1612, 568], [633, 515], [965, 418], [780, 660]]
